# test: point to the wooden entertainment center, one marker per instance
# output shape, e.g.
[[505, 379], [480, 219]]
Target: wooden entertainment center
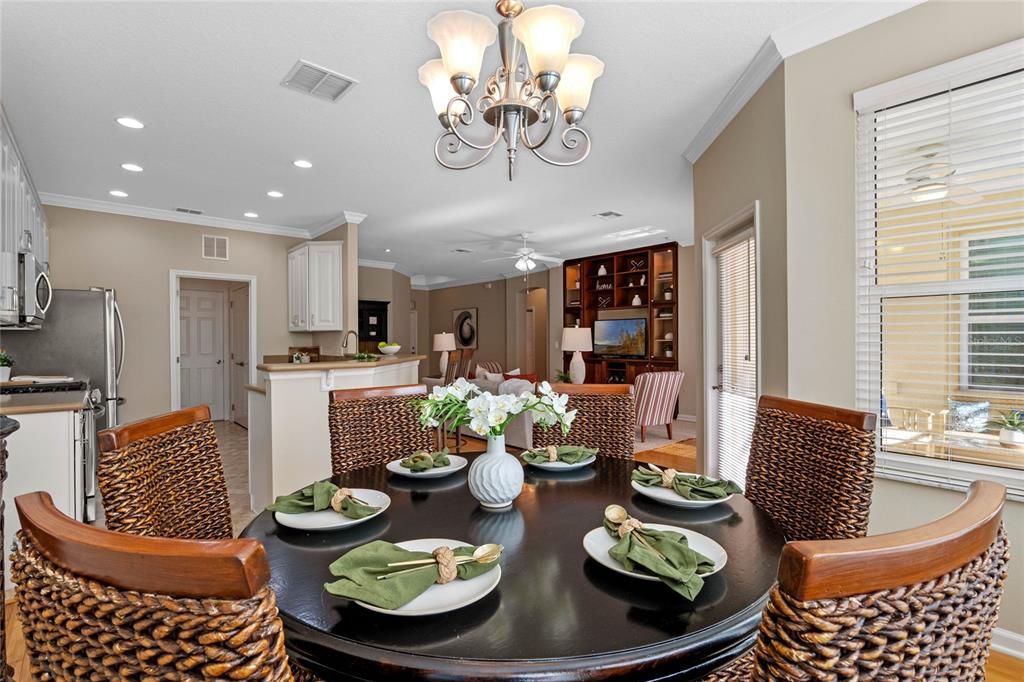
[[637, 283]]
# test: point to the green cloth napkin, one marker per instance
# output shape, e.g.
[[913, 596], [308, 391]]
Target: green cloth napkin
[[689, 486], [317, 497], [681, 566], [570, 454], [423, 460], [357, 573]]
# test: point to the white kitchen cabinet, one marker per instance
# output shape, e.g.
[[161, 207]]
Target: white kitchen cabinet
[[46, 453], [314, 287]]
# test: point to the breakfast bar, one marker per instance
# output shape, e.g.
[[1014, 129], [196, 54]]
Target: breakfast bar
[[289, 445]]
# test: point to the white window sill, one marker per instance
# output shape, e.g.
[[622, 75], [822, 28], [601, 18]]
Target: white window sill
[[945, 474]]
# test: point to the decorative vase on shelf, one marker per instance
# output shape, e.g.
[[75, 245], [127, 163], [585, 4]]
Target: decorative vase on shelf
[[496, 477], [601, 271], [5, 373], [1011, 438], [636, 300]]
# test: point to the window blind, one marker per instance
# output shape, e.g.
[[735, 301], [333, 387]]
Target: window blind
[[940, 248], [737, 381]]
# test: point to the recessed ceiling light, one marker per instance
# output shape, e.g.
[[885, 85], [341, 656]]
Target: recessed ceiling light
[[274, 194], [129, 122], [133, 167], [251, 214], [387, 250], [118, 193], [302, 163]]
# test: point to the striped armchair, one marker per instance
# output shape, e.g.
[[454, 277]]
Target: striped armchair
[[656, 396]]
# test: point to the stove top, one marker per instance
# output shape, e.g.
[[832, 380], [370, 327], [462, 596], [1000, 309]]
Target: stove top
[[46, 387]]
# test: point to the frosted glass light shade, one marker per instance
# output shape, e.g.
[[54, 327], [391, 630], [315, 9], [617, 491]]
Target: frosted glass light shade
[[435, 78], [462, 36], [581, 70], [577, 338], [546, 33]]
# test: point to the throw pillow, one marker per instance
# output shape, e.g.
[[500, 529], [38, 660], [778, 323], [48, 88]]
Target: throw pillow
[[971, 417], [532, 378], [495, 377], [479, 372]]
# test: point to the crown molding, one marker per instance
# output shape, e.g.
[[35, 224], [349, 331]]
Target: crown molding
[[382, 264], [767, 59], [344, 217], [101, 206], [781, 45]]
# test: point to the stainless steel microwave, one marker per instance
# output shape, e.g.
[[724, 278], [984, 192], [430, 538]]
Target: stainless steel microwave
[[35, 292]]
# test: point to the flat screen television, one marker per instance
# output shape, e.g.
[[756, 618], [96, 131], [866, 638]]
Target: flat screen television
[[621, 338]]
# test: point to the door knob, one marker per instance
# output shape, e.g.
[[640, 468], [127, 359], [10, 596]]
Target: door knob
[[219, 361], [240, 364]]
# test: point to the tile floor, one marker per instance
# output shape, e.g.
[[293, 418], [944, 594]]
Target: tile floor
[[234, 452]]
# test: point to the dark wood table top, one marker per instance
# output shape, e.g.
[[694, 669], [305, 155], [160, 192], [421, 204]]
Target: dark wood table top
[[556, 615]]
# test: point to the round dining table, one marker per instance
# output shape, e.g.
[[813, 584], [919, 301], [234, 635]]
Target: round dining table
[[555, 615]]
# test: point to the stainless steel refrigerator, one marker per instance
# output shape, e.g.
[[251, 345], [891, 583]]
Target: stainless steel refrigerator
[[82, 337]]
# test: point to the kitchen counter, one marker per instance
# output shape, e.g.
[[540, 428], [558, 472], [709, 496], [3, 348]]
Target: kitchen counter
[[384, 361], [35, 403]]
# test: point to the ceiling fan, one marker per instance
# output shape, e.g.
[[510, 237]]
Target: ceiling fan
[[526, 258]]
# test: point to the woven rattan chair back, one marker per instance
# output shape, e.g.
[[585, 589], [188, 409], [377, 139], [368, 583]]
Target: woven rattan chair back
[[919, 604], [99, 605], [164, 477], [811, 468], [372, 426], [605, 420]]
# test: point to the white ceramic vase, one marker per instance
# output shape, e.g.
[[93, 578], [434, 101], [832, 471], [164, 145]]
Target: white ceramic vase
[[5, 373], [1011, 438], [496, 477]]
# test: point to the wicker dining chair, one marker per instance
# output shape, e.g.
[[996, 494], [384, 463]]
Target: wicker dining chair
[[100, 605], [372, 426], [812, 468], [604, 419], [918, 604], [163, 477]]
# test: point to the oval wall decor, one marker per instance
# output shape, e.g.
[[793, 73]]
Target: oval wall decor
[[464, 323]]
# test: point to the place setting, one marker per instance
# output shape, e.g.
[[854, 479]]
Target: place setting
[[677, 489], [560, 458], [425, 464], [325, 506]]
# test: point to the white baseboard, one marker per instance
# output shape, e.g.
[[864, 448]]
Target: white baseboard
[[1008, 642], [686, 418]]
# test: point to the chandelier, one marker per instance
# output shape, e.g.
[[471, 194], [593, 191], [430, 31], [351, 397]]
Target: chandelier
[[520, 101]]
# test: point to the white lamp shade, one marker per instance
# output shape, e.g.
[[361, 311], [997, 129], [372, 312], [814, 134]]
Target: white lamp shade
[[546, 33], [434, 76], [577, 338], [462, 36], [445, 341], [581, 70]]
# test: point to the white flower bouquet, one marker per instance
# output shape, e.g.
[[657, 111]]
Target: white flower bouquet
[[464, 403]]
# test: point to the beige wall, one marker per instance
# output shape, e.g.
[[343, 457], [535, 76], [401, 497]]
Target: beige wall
[[489, 300], [747, 163], [424, 339], [556, 302], [688, 330], [135, 256], [401, 304], [820, 131]]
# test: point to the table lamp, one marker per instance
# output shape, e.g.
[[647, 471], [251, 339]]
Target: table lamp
[[444, 342], [577, 339]]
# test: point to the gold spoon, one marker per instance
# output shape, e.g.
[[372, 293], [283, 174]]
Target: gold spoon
[[484, 554], [482, 550], [617, 514]]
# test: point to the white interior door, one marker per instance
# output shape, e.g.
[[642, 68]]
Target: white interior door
[[238, 335], [202, 350], [735, 390]]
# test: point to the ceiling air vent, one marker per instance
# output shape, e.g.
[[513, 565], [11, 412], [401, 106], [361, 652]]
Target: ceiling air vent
[[608, 215], [318, 81], [461, 251], [215, 248], [190, 211]]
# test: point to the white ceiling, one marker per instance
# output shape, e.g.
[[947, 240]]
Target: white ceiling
[[220, 130]]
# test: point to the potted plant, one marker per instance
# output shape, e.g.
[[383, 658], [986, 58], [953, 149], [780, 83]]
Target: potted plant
[[1011, 428], [495, 477], [6, 363]]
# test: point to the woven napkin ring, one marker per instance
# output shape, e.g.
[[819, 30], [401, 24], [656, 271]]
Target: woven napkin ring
[[668, 477], [552, 453], [340, 495], [447, 569], [628, 526]]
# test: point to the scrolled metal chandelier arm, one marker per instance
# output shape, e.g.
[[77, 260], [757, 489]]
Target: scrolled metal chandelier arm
[[546, 116], [571, 139], [466, 118], [453, 143]]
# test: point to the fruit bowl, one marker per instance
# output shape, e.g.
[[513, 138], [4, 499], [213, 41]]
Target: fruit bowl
[[389, 350]]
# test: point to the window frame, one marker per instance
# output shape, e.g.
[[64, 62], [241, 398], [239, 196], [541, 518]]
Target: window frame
[[920, 469]]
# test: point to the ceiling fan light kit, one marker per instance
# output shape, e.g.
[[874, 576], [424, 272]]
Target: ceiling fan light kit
[[518, 96]]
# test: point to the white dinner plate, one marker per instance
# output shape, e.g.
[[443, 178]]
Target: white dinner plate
[[328, 519], [455, 463], [597, 543], [447, 597], [562, 466], [672, 498]]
